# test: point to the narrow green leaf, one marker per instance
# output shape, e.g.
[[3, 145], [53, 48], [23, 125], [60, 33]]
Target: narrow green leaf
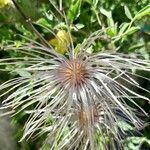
[[43, 21], [134, 47], [123, 27], [127, 12], [79, 26], [106, 13], [132, 30], [74, 11], [145, 11]]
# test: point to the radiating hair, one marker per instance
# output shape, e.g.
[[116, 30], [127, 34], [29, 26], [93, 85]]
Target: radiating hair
[[78, 99]]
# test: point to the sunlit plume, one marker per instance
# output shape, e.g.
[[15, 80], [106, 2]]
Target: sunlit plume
[[85, 94]]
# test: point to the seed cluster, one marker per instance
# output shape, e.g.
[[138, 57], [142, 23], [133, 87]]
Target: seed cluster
[[73, 72]]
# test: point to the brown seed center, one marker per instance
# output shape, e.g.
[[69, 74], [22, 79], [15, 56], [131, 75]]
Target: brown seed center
[[73, 72]]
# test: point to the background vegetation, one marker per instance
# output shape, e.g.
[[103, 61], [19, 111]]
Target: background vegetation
[[127, 27]]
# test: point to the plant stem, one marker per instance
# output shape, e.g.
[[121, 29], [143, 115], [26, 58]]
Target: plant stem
[[28, 20]]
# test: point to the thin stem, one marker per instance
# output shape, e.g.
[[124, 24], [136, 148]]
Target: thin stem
[[28, 20], [60, 5]]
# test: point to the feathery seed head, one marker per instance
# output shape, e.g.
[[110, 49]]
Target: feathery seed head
[[84, 96], [81, 96]]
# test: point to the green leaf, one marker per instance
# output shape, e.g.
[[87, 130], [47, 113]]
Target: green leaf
[[127, 12], [123, 27], [108, 14], [132, 30], [134, 47], [133, 143], [79, 26], [145, 11], [43, 21], [110, 22], [74, 11]]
